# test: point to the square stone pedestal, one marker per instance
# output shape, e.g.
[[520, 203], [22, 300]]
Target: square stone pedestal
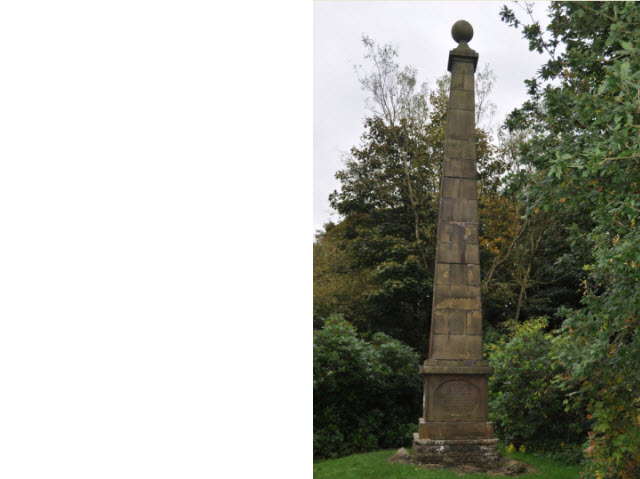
[[455, 428]]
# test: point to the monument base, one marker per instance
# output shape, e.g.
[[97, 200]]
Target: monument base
[[454, 430], [482, 453]]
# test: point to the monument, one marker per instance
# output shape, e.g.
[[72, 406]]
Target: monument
[[455, 428]]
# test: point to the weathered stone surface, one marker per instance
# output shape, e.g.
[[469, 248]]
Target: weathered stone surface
[[468, 469], [457, 297], [462, 81], [515, 468], [455, 396], [481, 453], [461, 346], [454, 429], [461, 123], [462, 31], [457, 233], [458, 210], [463, 98], [474, 322], [459, 168], [460, 150], [463, 61], [480, 363], [457, 243], [402, 455], [455, 369], [462, 188]]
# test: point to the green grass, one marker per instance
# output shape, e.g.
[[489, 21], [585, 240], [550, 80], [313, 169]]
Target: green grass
[[374, 465]]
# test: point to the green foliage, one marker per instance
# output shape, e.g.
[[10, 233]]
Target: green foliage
[[340, 283], [530, 268], [584, 115], [389, 201], [525, 402], [366, 393], [376, 265]]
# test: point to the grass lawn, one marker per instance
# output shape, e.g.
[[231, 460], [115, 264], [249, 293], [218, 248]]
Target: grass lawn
[[375, 465]]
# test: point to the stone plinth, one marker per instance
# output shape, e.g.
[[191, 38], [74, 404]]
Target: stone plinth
[[455, 400], [451, 452]]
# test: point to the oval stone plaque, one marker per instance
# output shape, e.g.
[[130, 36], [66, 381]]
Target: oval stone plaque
[[457, 399]]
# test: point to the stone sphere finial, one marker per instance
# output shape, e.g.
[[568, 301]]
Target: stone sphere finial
[[462, 31]]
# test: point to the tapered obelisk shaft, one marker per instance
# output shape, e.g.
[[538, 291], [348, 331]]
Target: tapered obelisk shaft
[[454, 427], [456, 325]]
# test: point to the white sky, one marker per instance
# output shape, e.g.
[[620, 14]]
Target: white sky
[[422, 33]]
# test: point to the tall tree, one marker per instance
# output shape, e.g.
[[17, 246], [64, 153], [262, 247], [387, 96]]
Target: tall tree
[[388, 199], [379, 271], [584, 118]]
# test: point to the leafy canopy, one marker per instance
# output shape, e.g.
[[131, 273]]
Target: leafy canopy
[[583, 113]]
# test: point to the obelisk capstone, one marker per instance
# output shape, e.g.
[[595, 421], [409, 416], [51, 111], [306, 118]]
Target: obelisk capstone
[[455, 428]]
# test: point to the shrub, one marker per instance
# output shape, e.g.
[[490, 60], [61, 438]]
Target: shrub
[[366, 394], [526, 403], [601, 346]]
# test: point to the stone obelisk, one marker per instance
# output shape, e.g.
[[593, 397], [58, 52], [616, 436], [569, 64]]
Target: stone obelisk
[[454, 428]]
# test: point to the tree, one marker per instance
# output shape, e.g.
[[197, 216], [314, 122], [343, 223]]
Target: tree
[[339, 284], [396, 104], [525, 402], [364, 392], [584, 118], [388, 199]]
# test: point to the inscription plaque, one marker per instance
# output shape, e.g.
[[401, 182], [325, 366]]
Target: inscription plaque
[[457, 399]]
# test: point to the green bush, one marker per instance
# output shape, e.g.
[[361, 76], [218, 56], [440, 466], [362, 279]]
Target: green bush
[[366, 394], [526, 402]]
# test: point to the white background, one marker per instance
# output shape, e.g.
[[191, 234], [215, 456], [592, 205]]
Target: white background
[[155, 262]]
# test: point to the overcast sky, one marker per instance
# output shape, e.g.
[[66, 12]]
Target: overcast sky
[[422, 33]]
